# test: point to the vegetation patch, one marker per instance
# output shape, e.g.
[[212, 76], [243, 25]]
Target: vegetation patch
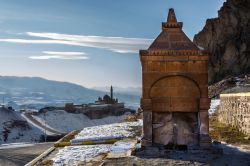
[[229, 134]]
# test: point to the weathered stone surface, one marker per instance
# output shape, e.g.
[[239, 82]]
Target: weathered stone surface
[[227, 38], [162, 128], [175, 128], [234, 110], [147, 128], [204, 126]]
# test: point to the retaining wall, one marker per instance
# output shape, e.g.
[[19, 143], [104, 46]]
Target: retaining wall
[[234, 110]]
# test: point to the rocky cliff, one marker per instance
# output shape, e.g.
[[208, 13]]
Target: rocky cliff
[[228, 39], [230, 85]]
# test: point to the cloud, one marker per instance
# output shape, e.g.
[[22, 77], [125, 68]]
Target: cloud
[[61, 55], [90, 39], [64, 53], [114, 44], [28, 41]]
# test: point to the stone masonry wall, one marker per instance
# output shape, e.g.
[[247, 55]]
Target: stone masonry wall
[[234, 110]]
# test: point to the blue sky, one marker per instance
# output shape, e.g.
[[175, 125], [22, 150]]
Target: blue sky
[[88, 42]]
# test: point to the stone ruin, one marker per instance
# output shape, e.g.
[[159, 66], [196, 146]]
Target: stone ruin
[[175, 99]]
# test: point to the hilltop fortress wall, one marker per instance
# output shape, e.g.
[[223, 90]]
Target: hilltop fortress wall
[[235, 111]]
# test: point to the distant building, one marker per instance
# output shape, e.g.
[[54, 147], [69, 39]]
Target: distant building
[[70, 107], [107, 99]]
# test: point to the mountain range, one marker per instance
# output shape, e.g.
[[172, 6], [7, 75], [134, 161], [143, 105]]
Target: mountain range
[[36, 92]]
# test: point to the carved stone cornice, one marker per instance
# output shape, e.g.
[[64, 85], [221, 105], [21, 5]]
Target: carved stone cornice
[[173, 52]]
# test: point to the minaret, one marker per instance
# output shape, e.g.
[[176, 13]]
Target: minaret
[[111, 93]]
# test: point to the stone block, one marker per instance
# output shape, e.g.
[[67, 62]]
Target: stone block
[[205, 104], [204, 126], [205, 141], [146, 104], [147, 128], [197, 66]]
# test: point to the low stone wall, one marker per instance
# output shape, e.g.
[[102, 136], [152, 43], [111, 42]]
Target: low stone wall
[[234, 110]]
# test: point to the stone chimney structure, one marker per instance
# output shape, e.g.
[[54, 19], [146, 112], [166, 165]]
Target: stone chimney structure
[[175, 99]]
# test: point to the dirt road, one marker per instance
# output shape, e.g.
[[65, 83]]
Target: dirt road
[[20, 156], [28, 117]]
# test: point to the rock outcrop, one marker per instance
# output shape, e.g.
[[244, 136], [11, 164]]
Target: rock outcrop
[[228, 39], [230, 85]]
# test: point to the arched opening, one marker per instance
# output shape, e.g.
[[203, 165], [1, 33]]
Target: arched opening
[[175, 106]]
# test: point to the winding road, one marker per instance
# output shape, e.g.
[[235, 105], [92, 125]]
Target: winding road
[[30, 119]]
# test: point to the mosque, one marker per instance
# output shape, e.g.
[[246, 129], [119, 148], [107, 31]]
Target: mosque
[[107, 99]]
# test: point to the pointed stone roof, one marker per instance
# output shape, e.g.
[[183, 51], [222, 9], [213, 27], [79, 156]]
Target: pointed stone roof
[[172, 37]]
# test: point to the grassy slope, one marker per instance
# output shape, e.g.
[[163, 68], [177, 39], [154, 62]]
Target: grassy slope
[[228, 134]]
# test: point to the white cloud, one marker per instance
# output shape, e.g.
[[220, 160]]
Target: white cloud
[[61, 55], [28, 41], [114, 44], [90, 39]]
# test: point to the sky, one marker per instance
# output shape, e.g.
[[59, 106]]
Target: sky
[[93, 43]]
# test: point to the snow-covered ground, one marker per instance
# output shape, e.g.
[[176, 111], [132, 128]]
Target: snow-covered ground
[[214, 106], [65, 122], [122, 146], [116, 130], [74, 155], [22, 135], [43, 122], [12, 133], [58, 120]]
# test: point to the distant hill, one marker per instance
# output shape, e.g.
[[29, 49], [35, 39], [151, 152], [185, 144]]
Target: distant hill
[[35, 92]]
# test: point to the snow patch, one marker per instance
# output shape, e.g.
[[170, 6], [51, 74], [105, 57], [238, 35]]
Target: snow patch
[[63, 121], [17, 133], [74, 155], [102, 132], [214, 106], [121, 147]]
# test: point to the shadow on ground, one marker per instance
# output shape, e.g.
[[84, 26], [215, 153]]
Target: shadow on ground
[[232, 156]]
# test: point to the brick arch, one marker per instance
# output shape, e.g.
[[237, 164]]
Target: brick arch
[[175, 94]]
